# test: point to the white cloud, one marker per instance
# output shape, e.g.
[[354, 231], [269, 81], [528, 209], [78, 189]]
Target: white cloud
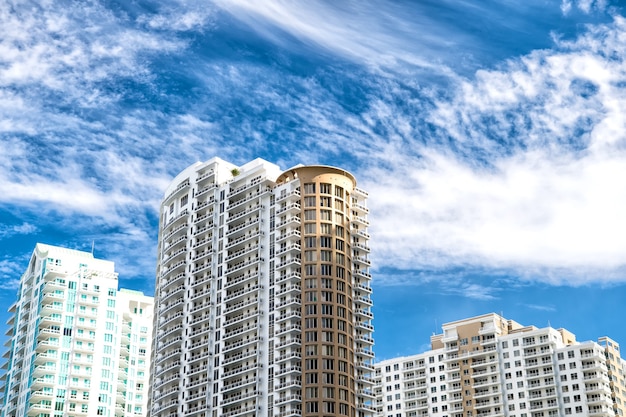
[[373, 32], [17, 229], [534, 182]]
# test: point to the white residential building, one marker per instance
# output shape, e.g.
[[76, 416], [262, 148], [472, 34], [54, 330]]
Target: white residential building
[[490, 366], [263, 294], [78, 346]]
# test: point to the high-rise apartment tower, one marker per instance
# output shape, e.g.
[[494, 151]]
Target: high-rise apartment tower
[[78, 346], [263, 294], [490, 366]]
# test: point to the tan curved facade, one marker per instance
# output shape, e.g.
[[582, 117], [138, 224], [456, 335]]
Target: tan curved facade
[[328, 382]]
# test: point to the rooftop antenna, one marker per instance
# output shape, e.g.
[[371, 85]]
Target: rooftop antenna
[[93, 245]]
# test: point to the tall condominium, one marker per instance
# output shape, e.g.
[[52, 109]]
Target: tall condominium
[[78, 346], [263, 294], [491, 366]]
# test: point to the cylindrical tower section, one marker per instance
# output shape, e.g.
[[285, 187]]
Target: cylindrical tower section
[[328, 375]]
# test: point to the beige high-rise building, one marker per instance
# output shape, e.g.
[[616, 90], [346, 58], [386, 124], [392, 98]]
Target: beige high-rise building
[[490, 366], [263, 294]]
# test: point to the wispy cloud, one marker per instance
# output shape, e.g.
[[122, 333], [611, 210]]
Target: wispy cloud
[[540, 307], [529, 178], [17, 229]]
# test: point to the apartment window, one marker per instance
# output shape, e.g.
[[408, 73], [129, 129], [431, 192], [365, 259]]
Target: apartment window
[[309, 201], [326, 242], [309, 228], [325, 215], [325, 201], [341, 273], [309, 188], [309, 215], [325, 188], [338, 192]]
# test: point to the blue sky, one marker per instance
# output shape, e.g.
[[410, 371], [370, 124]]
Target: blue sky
[[490, 135]]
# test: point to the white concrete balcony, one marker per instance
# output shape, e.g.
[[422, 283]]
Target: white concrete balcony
[[166, 368], [202, 204], [175, 220], [236, 357], [360, 233], [175, 231], [164, 308], [235, 295], [292, 208], [289, 370], [176, 290], [292, 236], [236, 203], [240, 229], [174, 379], [202, 255], [205, 190], [286, 329], [250, 328], [289, 277], [365, 325], [292, 249], [363, 313], [169, 342], [289, 301], [288, 289], [288, 342], [230, 372], [358, 300], [239, 384], [245, 212], [239, 398], [361, 273], [297, 356], [359, 207], [241, 265], [198, 382], [252, 247], [289, 316], [291, 196], [238, 318], [240, 344], [288, 385], [173, 267], [231, 308], [239, 411], [486, 382], [285, 399]]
